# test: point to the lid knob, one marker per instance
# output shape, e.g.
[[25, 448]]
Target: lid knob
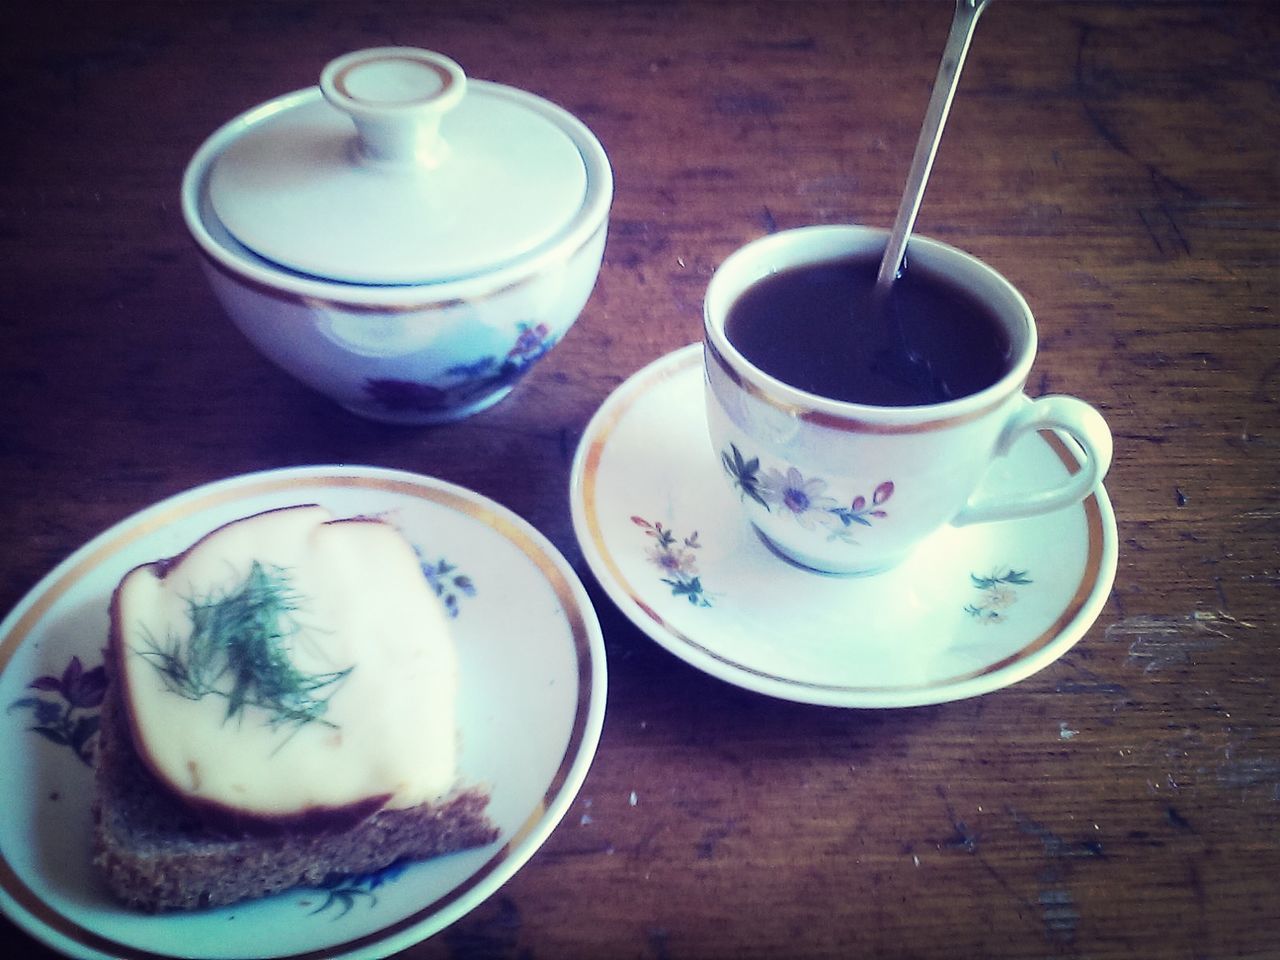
[[396, 96], [388, 201]]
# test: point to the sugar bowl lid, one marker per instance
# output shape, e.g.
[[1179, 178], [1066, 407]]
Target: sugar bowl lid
[[399, 171]]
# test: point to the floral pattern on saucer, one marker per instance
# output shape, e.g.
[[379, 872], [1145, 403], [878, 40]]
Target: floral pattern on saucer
[[804, 499], [676, 560], [899, 638], [997, 595]]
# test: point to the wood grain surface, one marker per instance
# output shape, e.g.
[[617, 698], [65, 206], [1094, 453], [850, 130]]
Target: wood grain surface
[[1118, 162]]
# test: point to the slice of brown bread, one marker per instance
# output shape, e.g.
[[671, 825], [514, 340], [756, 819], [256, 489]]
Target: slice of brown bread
[[157, 854]]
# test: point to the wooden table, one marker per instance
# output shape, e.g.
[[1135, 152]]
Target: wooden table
[[1117, 162]]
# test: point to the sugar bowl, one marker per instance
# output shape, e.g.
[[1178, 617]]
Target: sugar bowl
[[401, 238]]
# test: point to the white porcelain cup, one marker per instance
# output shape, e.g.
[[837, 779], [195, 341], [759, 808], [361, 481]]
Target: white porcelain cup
[[851, 488]]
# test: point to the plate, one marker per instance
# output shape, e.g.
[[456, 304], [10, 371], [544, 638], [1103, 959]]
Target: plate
[[531, 707], [972, 610]]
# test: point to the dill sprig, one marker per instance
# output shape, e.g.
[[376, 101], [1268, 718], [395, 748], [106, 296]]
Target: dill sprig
[[239, 650]]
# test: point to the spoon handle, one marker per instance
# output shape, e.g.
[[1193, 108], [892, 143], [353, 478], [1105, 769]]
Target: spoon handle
[[944, 89]]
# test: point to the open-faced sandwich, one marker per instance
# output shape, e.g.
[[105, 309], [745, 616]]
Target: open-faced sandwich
[[282, 710]]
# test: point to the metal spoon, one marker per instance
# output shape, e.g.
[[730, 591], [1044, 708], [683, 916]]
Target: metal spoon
[[944, 89]]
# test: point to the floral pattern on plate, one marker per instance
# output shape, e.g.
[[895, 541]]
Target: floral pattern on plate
[[71, 718], [530, 712], [342, 890], [448, 583]]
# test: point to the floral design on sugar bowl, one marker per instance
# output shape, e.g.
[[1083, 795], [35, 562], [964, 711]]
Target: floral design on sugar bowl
[[805, 499], [70, 717], [465, 383], [997, 594], [676, 559]]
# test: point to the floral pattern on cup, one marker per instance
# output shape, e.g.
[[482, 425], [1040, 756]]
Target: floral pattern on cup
[[70, 719], [998, 594], [676, 559], [805, 499], [473, 381]]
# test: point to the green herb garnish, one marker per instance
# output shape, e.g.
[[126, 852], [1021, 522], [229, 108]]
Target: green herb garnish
[[239, 649]]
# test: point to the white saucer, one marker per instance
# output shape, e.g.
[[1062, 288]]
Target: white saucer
[[531, 706], [974, 609]]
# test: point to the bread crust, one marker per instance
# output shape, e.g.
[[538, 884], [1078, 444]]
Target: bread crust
[[158, 854]]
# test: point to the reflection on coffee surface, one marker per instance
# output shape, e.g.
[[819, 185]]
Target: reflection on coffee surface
[[821, 328]]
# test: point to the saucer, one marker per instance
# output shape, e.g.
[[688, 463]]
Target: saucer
[[972, 610], [531, 703]]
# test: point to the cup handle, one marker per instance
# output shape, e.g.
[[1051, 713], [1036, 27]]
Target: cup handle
[[1076, 418]]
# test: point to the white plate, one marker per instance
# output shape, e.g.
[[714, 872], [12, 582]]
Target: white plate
[[972, 610], [532, 696]]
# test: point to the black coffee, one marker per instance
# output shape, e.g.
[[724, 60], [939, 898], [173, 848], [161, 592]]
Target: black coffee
[[821, 328]]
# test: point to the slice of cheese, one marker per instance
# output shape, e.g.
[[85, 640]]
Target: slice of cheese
[[368, 717]]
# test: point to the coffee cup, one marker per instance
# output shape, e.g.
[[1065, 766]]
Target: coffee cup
[[853, 486]]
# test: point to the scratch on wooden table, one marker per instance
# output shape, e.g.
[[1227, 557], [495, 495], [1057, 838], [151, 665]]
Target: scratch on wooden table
[[962, 838], [1152, 438], [1057, 905], [1177, 819], [747, 103], [1060, 914], [1055, 847], [644, 848], [712, 836], [493, 931], [1247, 765], [1251, 772], [1091, 682], [658, 938], [1157, 642], [965, 839], [1261, 514], [1220, 591], [1159, 216], [1262, 392], [563, 852], [1155, 218]]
